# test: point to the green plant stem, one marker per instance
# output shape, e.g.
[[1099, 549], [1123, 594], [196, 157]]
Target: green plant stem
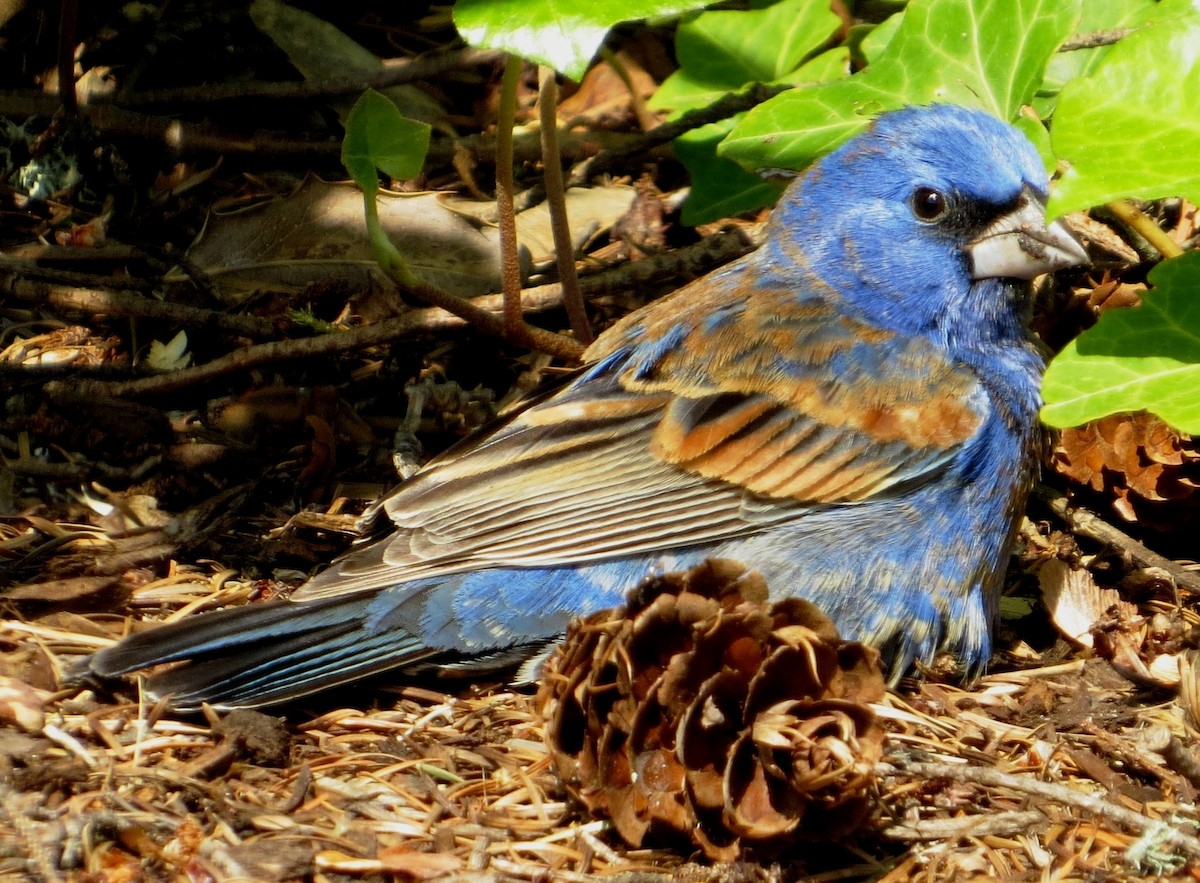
[[556, 199], [1132, 216], [510, 266], [382, 250]]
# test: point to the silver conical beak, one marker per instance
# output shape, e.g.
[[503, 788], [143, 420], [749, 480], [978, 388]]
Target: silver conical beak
[[1021, 245]]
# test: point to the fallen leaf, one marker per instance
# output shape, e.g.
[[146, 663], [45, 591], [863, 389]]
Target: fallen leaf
[[171, 356], [1075, 602], [318, 234], [590, 210]]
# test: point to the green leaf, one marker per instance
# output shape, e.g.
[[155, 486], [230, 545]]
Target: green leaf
[[321, 52], [378, 136], [1140, 358], [876, 41], [721, 52], [1131, 129], [973, 52], [720, 188], [1066, 66], [1037, 134], [564, 34], [724, 50]]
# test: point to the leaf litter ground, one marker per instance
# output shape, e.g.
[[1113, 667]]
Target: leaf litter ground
[[1075, 759]]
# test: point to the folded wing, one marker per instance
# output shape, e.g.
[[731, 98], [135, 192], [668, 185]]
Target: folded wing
[[680, 431]]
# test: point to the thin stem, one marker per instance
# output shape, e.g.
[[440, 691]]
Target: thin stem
[[68, 16], [1133, 217], [556, 198], [510, 265], [644, 116]]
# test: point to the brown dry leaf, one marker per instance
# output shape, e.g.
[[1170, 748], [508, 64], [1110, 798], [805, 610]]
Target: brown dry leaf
[[272, 861], [1113, 294], [1076, 604], [73, 345], [1149, 468], [1189, 687], [703, 712], [590, 210], [322, 52], [1103, 243], [318, 234], [603, 98], [1189, 221], [273, 410], [59, 590]]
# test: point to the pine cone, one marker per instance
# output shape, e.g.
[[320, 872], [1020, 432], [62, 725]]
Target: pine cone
[[1151, 471], [702, 713]]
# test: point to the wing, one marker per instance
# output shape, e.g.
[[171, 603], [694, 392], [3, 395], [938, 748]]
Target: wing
[[719, 411]]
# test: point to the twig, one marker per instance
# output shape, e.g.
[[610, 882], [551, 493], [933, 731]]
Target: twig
[[1092, 39], [76, 470], [688, 262], [68, 17], [1086, 524], [527, 145], [535, 338], [394, 74], [614, 158], [111, 304], [1001, 824], [49, 266], [175, 135], [1178, 756], [306, 348], [564, 251], [1025, 784]]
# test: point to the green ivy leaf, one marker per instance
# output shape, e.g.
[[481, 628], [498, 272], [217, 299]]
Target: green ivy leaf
[[724, 51], [720, 188], [1066, 66], [1131, 129], [564, 34], [378, 136], [1037, 134], [973, 52], [875, 42], [1140, 358]]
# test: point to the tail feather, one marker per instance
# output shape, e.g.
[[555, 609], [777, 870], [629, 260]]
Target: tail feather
[[287, 670], [216, 634], [262, 654]]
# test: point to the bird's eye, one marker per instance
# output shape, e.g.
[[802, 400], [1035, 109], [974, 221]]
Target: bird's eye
[[928, 204]]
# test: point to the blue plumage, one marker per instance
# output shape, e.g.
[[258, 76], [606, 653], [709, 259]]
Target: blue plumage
[[852, 410]]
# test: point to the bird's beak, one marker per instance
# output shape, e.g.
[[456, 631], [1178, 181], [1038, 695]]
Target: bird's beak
[[1021, 245]]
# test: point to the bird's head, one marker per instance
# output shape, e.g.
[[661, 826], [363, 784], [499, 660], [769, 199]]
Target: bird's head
[[919, 222]]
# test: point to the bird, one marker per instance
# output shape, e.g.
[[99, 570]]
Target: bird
[[851, 409]]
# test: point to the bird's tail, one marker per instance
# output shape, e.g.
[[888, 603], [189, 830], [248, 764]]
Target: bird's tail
[[262, 654]]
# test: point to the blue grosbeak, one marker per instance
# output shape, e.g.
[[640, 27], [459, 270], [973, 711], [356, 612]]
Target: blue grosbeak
[[851, 409]]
